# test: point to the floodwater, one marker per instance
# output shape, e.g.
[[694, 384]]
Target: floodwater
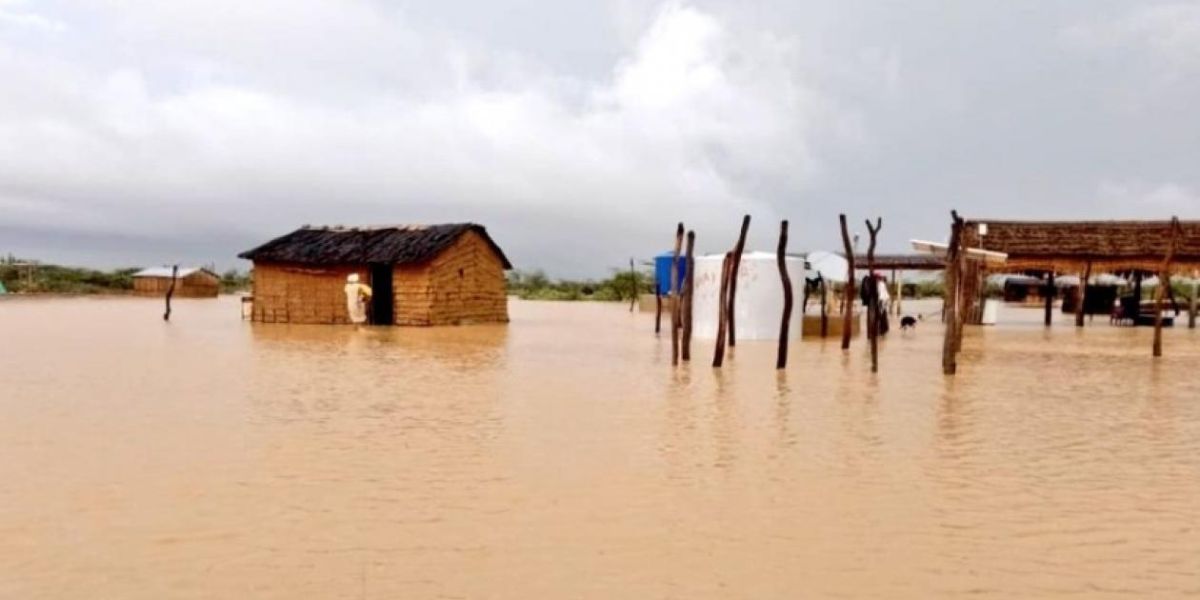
[[561, 456]]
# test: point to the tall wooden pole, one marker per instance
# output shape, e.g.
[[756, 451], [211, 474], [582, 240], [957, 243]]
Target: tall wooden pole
[[1050, 291], [848, 302], [657, 307], [675, 295], [633, 286], [689, 268], [722, 313], [1083, 286], [873, 295], [781, 258], [951, 292], [1164, 282], [899, 290], [737, 262], [171, 291]]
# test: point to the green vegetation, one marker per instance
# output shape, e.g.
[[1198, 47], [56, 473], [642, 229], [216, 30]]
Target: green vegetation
[[30, 277], [234, 280], [535, 285]]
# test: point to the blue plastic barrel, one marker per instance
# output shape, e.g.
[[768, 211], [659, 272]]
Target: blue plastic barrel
[[662, 271]]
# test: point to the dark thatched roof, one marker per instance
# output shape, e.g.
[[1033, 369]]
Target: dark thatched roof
[[1070, 245], [902, 262], [396, 244]]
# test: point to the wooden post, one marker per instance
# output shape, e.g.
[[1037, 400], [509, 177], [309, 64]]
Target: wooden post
[[675, 295], [1050, 291], [873, 295], [951, 292], [1083, 286], [1164, 282], [722, 313], [171, 291], [824, 308], [899, 291], [781, 258], [1192, 301], [657, 307], [689, 267], [633, 286], [848, 301], [737, 262]]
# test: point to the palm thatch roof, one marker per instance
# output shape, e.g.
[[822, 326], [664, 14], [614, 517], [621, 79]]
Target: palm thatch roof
[[902, 262], [394, 244], [1069, 246]]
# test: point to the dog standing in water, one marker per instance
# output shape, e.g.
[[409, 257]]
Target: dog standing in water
[[908, 322]]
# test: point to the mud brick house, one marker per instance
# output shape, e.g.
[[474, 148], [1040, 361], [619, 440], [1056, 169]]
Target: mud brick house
[[189, 283], [421, 275]]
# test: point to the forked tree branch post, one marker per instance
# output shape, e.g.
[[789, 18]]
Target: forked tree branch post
[[171, 291], [873, 295], [737, 262], [848, 291], [786, 280], [689, 269], [675, 295]]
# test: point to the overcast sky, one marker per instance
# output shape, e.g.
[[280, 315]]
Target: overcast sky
[[137, 132]]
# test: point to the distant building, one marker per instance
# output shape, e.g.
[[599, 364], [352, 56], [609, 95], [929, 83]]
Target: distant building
[[191, 282], [421, 275]]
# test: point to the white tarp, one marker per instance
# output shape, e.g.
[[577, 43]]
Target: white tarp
[[832, 267], [759, 303]]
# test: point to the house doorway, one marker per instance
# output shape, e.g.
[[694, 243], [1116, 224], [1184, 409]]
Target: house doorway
[[382, 297]]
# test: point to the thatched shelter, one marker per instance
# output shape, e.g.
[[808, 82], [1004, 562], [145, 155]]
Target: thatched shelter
[[1165, 248], [902, 262], [190, 282], [1070, 246], [421, 274]]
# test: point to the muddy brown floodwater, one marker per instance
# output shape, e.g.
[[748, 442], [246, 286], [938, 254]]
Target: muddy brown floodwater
[[562, 457]]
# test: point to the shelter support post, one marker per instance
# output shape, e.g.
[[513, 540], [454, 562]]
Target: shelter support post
[[1192, 301], [1164, 284], [171, 291], [899, 291], [824, 308], [657, 308], [1049, 293], [1083, 288]]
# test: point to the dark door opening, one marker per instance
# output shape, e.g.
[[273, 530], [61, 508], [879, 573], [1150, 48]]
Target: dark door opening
[[382, 309]]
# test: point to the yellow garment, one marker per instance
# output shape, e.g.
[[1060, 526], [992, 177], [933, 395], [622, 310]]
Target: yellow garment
[[357, 295]]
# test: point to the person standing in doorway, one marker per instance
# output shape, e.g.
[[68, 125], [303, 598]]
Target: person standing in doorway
[[357, 295]]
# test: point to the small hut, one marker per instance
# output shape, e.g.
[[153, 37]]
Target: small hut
[[190, 282], [421, 275]]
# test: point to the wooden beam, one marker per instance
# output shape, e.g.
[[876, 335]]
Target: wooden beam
[[689, 267], [171, 291], [675, 295], [848, 290], [737, 262], [781, 258]]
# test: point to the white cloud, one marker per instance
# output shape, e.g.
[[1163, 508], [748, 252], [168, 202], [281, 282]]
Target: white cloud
[[1139, 197], [1171, 31], [330, 124]]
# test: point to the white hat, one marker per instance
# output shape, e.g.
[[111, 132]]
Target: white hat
[[352, 278]]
